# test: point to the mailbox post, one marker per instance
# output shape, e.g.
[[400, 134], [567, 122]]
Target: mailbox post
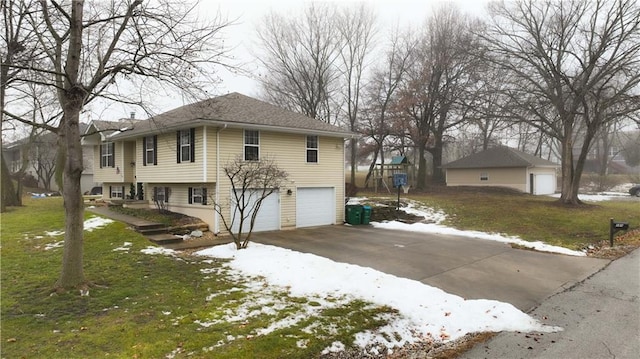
[[399, 180], [615, 227]]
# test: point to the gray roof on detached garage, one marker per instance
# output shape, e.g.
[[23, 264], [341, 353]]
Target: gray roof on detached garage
[[500, 157], [233, 110]]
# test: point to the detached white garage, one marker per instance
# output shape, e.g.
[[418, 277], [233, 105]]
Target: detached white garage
[[504, 167], [315, 206], [268, 218]]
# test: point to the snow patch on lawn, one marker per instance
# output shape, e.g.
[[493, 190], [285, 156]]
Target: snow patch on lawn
[[424, 311]]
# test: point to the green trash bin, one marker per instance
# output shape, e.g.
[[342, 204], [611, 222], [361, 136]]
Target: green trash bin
[[366, 214], [354, 214]]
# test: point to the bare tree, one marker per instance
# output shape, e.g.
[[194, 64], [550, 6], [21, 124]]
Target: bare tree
[[445, 62], [251, 183], [356, 26], [18, 48], [575, 67], [96, 50], [299, 60], [382, 92]]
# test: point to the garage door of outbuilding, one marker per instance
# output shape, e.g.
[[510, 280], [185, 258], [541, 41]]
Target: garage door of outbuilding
[[315, 206], [543, 184], [268, 218]]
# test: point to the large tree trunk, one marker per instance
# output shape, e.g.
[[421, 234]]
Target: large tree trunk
[[9, 197], [72, 100], [72, 274], [436, 153], [570, 183], [421, 181], [354, 152]]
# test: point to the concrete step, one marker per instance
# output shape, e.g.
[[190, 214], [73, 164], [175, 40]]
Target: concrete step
[[164, 238], [143, 227], [152, 231]]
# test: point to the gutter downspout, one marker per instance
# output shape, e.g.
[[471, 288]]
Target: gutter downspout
[[217, 194]]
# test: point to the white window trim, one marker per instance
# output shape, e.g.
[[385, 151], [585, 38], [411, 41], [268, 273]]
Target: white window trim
[[307, 148], [187, 145], [197, 192], [106, 154], [245, 145], [115, 190], [147, 150]]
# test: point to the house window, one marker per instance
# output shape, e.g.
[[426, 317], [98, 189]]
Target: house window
[[106, 154], [161, 194], [150, 150], [116, 191], [312, 149], [484, 176], [186, 145], [251, 145], [197, 195]]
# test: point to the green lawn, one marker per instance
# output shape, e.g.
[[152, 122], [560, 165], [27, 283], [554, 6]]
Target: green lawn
[[532, 218], [150, 306]]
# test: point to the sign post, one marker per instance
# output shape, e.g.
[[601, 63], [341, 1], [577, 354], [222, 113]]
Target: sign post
[[399, 180]]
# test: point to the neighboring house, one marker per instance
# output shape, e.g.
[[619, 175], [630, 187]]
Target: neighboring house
[[178, 157], [505, 167], [40, 154]]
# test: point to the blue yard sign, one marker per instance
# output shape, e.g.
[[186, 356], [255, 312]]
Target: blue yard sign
[[399, 180]]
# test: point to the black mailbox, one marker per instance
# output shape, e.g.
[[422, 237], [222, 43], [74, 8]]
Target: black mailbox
[[621, 226], [615, 227]]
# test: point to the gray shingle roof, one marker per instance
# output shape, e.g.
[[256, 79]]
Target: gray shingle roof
[[233, 110], [500, 157]]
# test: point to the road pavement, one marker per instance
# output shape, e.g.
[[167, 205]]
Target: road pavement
[[600, 317]]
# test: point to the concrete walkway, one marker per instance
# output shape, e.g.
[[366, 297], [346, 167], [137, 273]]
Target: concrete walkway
[[600, 317], [106, 212]]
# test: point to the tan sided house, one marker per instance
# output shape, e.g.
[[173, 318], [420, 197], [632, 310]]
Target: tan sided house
[[178, 157], [504, 167]]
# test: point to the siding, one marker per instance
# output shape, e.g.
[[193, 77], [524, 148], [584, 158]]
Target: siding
[[289, 152], [179, 200], [168, 170], [515, 178]]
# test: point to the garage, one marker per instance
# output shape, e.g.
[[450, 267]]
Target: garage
[[544, 184], [268, 218], [315, 206]]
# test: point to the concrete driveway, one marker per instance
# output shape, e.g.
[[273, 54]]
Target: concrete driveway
[[470, 268]]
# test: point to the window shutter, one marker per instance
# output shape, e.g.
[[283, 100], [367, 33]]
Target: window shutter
[[155, 150], [190, 193], [144, 151], [113, 154], [204, 196], [155, 193], [100, 145], [192, 139], [110, 190], [166, 194], [123, 196], [178, 150]]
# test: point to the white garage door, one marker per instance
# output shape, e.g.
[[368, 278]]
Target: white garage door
[[544, 184], [268, 218], [315, 206]]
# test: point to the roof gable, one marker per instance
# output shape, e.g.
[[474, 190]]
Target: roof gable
[[235, 110], [500, 157]]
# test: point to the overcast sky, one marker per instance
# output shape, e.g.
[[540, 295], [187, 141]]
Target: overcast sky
[[250, 13], [241, 37]]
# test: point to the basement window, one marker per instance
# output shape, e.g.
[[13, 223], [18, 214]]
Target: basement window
[[484, 176]]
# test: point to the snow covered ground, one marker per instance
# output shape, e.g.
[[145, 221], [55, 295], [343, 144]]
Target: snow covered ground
[[425, 312]]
